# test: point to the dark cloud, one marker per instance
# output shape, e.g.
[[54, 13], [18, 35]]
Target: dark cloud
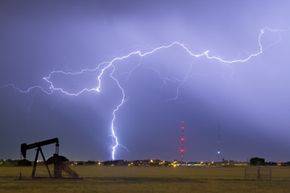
[[246, 103]]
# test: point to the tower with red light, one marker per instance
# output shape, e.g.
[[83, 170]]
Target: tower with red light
[[182, 139]]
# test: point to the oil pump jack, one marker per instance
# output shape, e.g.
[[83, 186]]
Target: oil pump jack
[[57, 160]]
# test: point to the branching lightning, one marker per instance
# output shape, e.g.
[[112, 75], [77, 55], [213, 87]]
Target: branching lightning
[[103, 69]]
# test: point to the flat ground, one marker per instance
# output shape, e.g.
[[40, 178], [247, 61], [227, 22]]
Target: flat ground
[[146, 180]]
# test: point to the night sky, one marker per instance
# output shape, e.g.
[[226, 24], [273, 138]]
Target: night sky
[[242, 109]]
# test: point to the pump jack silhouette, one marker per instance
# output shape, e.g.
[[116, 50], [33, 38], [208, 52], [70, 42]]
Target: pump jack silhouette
[[56, 159]]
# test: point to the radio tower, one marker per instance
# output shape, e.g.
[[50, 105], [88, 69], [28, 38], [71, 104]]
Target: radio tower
[[219, 145], [182, 140]]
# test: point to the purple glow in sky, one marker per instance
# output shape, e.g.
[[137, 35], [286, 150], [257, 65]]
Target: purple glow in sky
[[233, 98]]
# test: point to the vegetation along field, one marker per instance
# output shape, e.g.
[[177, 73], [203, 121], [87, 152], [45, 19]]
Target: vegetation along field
[[103, 179]]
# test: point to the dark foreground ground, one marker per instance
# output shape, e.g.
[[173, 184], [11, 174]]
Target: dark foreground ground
[[148, 179]]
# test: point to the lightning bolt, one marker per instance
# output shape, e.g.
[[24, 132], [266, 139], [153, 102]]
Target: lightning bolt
[[102, 68]]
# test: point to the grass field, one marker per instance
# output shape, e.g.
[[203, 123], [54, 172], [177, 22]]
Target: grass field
[[146, 180]]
